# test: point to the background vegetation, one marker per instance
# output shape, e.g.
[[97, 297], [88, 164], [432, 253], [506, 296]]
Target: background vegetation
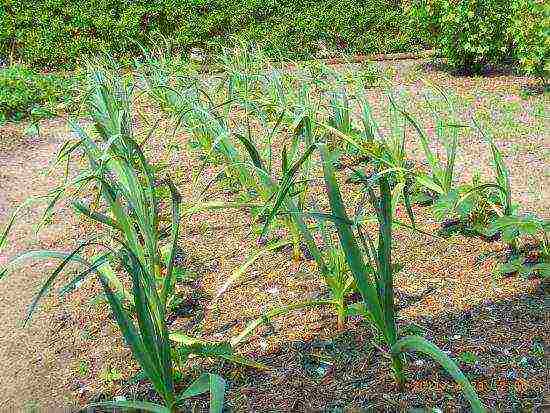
[[469, 33], [57, 32], [473, 33], [26, 93]]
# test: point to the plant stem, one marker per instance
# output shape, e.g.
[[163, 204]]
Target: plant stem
[[397, 366], [341, 313]]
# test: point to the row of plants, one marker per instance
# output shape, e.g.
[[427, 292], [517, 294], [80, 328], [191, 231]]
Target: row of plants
[[316, 98], [132, 250], [308, 108], [268, 133]]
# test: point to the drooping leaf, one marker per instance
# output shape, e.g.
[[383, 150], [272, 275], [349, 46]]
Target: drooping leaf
[[134, 405], [421, 345], [239, 272]]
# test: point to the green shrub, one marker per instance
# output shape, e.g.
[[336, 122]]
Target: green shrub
[[24, 92], [59, 32], [531, 34], [468, 33]]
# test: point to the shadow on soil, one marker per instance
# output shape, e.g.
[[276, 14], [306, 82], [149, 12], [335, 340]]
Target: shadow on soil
[[499, 346]]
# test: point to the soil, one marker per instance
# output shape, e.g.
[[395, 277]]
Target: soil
[[71, 351]]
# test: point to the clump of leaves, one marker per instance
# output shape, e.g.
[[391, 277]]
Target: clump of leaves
[[471, 207], [130, 246], [529, 31], [25, 93], [468, 33], [467, 208], [529, 248]]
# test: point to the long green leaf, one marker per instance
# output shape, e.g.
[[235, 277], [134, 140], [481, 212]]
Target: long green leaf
[[252, 151], [168, 287], [421, 345], [96, 216], [217, 393], [11, 221], [207, 383], [130, 405], [349, 245], [150, 326], [239, 272], [73, 256], [385, 276], [76, 281]]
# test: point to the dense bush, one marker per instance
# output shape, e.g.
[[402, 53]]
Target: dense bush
[[473, 33], [469, 33], [58, 32], [531, 34], [24, 92]]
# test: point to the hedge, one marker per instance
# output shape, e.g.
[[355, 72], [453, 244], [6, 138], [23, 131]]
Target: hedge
[[472, 34], [56, 33], [25, 93]]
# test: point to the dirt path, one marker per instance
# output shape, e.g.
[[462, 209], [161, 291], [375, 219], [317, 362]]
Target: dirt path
[[33, 366]]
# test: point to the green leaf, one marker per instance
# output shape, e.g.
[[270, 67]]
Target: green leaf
[[207, 382], [96, 216], [33, 129], [385, 274], [239, 272], [130, 404], [168, 286], [198, 387], [252, 151], [421, 345], [133, 339], [76, 281], [429, 183], [45, 255], [217, 393], [408, 206]]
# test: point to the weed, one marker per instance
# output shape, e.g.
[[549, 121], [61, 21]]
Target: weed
[[83, 368], [467, 357], [527, 237], [110, 375]]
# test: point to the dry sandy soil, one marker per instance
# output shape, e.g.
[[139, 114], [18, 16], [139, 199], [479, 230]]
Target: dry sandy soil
[[71, 352]]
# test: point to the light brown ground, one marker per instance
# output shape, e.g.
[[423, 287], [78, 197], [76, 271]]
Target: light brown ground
[[33, 370], [60, 357]]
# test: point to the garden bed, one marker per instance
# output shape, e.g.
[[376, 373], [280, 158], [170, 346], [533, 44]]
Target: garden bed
[[495, 327]]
